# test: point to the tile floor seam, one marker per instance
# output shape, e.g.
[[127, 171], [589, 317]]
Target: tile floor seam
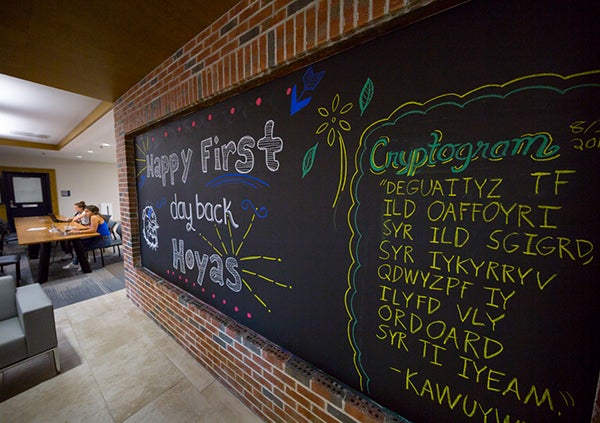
[[77, 338], [85, 361], [212, 382], [151, 400], [101, 393], [99, 387]]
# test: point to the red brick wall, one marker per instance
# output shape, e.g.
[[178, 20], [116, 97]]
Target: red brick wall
[[252, 42]]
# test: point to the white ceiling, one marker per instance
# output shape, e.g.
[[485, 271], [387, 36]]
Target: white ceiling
[[39, 114]]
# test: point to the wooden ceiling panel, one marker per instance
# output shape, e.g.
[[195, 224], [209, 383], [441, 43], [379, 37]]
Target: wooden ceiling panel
[[97, 48]]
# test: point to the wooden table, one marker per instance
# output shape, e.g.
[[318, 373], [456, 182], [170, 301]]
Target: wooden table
[[43, 231]]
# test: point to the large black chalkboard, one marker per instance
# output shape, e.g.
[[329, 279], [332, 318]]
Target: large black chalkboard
[[415, 216]]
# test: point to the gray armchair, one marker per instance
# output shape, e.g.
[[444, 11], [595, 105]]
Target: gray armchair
[[27, 326]]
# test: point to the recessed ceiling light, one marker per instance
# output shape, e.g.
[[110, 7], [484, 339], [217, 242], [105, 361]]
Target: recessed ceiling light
[[91, 151], [79, 157], [105, 144]]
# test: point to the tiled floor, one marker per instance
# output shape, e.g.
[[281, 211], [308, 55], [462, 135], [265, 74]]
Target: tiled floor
[[117, 366]]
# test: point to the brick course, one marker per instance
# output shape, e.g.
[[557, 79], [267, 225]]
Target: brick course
[[251, 42]]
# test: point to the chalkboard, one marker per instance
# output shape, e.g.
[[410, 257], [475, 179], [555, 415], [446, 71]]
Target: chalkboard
[[416, 216]]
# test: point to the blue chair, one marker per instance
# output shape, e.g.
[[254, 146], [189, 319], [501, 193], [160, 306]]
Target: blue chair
[[116, 241], [8, 236]]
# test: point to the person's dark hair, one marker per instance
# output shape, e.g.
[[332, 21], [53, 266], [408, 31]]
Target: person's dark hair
[[80, 204], [93, 209]]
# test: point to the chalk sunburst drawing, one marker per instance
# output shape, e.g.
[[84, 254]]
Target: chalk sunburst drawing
[[229, 248], [142, 147]]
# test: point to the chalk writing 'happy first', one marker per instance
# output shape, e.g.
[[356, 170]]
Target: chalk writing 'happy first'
[[165, 167]]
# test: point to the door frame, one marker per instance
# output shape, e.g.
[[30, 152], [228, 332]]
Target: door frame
[[51, 176]]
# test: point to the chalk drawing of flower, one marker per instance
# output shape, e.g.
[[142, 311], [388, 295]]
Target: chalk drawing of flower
[[335, 125]]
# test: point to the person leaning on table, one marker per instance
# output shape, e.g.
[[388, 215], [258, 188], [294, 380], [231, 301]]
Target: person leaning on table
[[97, 224], [80, 215]]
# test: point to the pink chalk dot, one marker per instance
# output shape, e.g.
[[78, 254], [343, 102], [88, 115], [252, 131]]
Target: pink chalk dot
[[232, 110], [194, 284], [224, 301], [179, 129], [214, 296], [193, 124], [258, 101], [166, 134], [236, 309], [288, 91], [179, 277], [186, 280], [249, 315], [152, 139], [168, 272], [210, 116], [203, 290]]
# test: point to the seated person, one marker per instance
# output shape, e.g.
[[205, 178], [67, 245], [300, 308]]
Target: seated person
[[97, 224], [80, 216]]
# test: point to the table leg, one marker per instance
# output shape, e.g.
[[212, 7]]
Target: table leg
[[33, 251], [44, 263], [81, 256]]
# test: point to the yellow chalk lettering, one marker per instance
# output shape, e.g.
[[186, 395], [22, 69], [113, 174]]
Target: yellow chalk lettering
[[491, 348], [427, 389], [532, 244], [445, 394], [451, 336], [436, 348], [491, 379], [431, 326], [408, 381], [471, 337], [473, 410], [539, 401], [513, 386]]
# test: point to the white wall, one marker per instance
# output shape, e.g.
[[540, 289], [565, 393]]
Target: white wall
[[92, 182]]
